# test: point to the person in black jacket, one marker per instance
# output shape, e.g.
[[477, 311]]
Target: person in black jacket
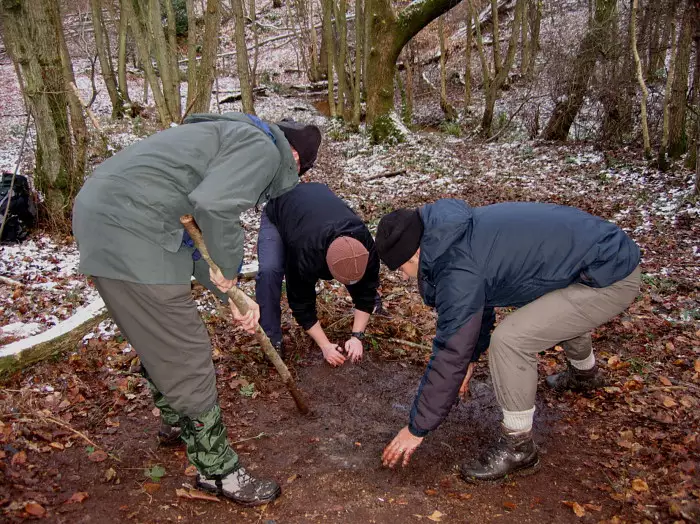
[[566, 270], [306, 235]]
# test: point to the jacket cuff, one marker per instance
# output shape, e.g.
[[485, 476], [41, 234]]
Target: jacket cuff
[[416, 432]]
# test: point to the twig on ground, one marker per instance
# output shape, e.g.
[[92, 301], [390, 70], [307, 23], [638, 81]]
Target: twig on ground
[[256, 437], [386, 175], [10, 282], [407, 343]]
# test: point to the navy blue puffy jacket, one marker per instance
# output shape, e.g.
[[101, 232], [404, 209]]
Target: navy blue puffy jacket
[[474, 259]]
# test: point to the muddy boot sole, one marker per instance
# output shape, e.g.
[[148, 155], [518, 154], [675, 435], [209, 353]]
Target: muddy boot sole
[[220, 493], [523, 472]]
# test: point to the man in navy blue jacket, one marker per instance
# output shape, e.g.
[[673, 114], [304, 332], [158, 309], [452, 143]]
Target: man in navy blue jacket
[[567, 271]]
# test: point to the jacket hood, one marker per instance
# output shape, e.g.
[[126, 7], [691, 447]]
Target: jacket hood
[[445, 222], [287, 175]]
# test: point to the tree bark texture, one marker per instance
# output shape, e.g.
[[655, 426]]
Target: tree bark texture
[[342, 25], [447, 109], [103, 53], [169, 75], [665, 14], [468, 58], [33, 36], [242, 64], [206, 72], [389, 33], [137, 18], [640, 79], [359, 41], [330, 52], [591, 47], [678, 136], [121, 53], [663, 149], [501, 70]]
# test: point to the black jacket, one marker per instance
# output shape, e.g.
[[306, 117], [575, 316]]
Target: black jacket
[[474, 259], [309, 218]]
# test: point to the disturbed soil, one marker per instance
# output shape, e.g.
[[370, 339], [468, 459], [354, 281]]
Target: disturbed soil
[[78, 434]]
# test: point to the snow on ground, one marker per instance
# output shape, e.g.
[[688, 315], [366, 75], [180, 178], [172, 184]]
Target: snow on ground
[[425, 167]]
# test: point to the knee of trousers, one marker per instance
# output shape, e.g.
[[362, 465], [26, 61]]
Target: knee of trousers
[[269, 273]]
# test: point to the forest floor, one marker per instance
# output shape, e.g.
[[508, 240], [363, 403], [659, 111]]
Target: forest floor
[[78, 434]]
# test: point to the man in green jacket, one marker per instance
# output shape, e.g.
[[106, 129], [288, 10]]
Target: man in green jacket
[[126, 221]]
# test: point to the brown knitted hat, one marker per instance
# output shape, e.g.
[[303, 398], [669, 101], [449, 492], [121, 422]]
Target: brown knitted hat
[[347, 260]]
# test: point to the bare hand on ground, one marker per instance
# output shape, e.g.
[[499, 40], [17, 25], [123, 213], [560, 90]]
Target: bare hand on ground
[[403, 445], [250, 320], [332, 354], [464, 388], [220, 281], [353, 347]]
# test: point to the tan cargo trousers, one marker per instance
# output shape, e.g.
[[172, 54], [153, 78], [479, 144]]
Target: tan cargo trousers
[[565, 316]]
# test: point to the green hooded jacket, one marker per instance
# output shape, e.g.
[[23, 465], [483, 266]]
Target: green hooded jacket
[[126, 218]]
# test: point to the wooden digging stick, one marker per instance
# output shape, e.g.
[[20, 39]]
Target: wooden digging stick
[[239, 299]]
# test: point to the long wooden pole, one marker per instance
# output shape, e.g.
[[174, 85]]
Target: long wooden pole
[[239, 300]]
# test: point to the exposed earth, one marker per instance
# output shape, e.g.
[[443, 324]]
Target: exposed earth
[[78, 434]]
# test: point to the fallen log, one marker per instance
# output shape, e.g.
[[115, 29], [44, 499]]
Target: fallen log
[[66, 336]]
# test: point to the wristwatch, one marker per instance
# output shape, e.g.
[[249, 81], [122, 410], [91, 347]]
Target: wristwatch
[[359, 335]]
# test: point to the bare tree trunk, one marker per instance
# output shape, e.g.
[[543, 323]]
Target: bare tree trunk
[[447, 109], [341, 21], [121, 53], [565, 111], [367, 44], [359, 41], [169, 78], [663, 161], [678, 137], [33, 36], [410, 63], [103, 53], [640, 79], [206, 72], [330, 51], [501, 70], [191, 55], [658, 45], [256, 51], [525, 40], [496, 32], [468, 58], [534, 21], [242, 59], [389, 34], [138, 24], [314, 44]]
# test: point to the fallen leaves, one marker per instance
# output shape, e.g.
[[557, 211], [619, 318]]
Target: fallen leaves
[[577, 508], [668, 402], [195, 494], [77, 497], [19, 458], [151, 487], [98, 456], [35, 509], [191, 471], [640, 485], [436, 516], [110, 475]]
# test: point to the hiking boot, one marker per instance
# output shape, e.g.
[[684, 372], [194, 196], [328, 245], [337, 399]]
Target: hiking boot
[[279, 347], [576, 379], [241, 487], [169, 435], [512, 453]]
